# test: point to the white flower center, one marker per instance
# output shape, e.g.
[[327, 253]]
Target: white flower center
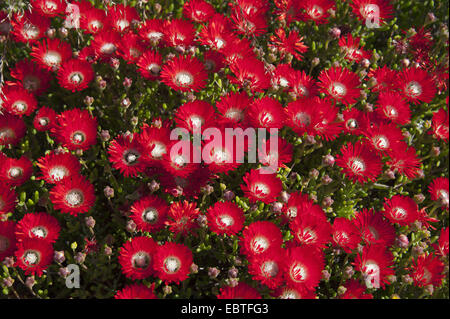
[[15, 172], [338, 89], [76, 77], [196, 122], [298, 272], [43, 121], [413, 89], [39, 231], [20, 106], [220, 155], [369, 10], [291, 212], [372, 274], [179, 160], [357, 165], [259, 244], [158, 150], [269, 269], [95, 25], [74, 198], [30, 31], [52, 58], [183, 79], [380, 142], [108, 48], [150, 215], [31, 257], [172, 264], [265, 118], [227, 220], [283, 82], [79, 137], [302, 119], [220, 43], [261, 189], [234, 114], [399, 213], [58, 173], [154, 35], [315, 12], [131, 157], [123, 24]]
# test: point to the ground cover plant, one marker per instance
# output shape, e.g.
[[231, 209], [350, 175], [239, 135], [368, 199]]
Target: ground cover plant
[[348, 196]]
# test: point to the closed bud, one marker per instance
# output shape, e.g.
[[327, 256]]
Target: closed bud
[[8, 281], [407, 279], [326, 275], [327, 201], [167, 290], [63, 32], [228, 195], [405, 63], [341, 290], [125, 103], [335, 32], [349, 272], [365, 63], [153, 186], [402, 241], [80, 257], [104, 134], [59, 257], [109, 192], [193, 268], [429, 289], [277, 207], [88, 100], [419, 198], [233, 272], [30, 282], [315, 61], [213, 272], [127, 82], [328, 160], [8, 262], [108, 251], [310, 139], [134, 121], [284, 196], [202, 220], [115, 63], [64, 272], [131, 226], [326, 180], [435, 151]]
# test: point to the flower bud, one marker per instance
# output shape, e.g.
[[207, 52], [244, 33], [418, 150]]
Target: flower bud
[[327, 201], [202, 220], [90, 221], [233, 272], [277, 207], [365, 63], [8, 262], [429, 289], [167, 290], [390, 174], [335, 32], [328, 160], [194, 268], [232, 282], [51, 33], [109, 192], [134, 121], [153, 186], [63, 32], [435, 151], [115, 63], [208, 189], [419, 198], [102, 84], [228, 195], [407, 279], [104, 134], [127, 82], [335, 64], [59, 257], [391, 278], [348, 272], [88, 100], [326, 275], [314, 173], [315, 61], [64, 272], [326, 179], [108, 251], [8, 281], [284, 196], [30, 282], [405, 63], [402, 241], [80, 257], [125, 102], [131, 226], [213, 272], [341, 290]]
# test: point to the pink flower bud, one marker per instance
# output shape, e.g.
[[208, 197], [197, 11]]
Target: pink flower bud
[[327, 201], [30, 282], [228, 195], [326, 180], [109, 192], [90, 221], [277, 207], [233, 272], [8, 281], [419, 198], [328, 160], [64, 272], [59, 257], [335, 32], [153, 186], [402, 241], [88, 100], [213, 272], [80, 257], [127, 82], [131, 226]]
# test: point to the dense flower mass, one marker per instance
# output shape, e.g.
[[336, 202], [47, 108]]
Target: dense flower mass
[[242, 149]]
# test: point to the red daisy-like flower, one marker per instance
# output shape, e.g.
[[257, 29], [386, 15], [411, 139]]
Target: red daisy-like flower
[[8, 199], [401, 210], [15, 172], [355, 290], [216, 34], [33, 79], [375, 264], [374, 228], [75, 129], [303, 267], [310, 231], [372, 10], [260, 238], [136, 291], [73, 195], [282, 76], [29, 27], [184, 73], [355, 121], [213, 61], [49, 8], [225, 218], [34, 255], [137, 257], [44, 119], [126, 155], [51, 53], [172, 262], [261, 187], [152, 30], [93, 21], [345, 234], [75, 75], [149, 213], [198, 10], [189, 186], [316, 10], [427, 270], [179, 33], [299, 204], [393, 107], [359, 162], [7, 235], [57, 166], [240, 49], [267, 268], [179, 159], [439, 190], [442, 245], [416, 85], [12, 129], [248, 23], [303, 85], [121, 17], [266, 112], [131, 47], [325, 122], [350, 46], [106, 43], [341, 84], [38, 225], [156, 142], [182, 217], [404, 160], [289, 292], [241, 291], [195, 116], [290, 44], [149, 64], [18, 101], [232, 109], [275, 156], [439, 126], [384, 78], [250, 73], [384, 138]]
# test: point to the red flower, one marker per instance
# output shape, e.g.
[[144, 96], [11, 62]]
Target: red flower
[[106, 44], [75, 75], [260, 238], [401, 210], [350, 46], [172, 262], [179, 33], [58, 166], [184, 73], [392, 106], [225, 218], [316, 10], [384, 138], [404, 160], [38, 225], [137, 257], [303, 85], [299, 204], [278, 156], [232, 109], [291, 44], [289, 292], [198, 10], [345, 234], [131, 47], [149, 64], [8, 199], [267, 113], [261, 187], [216, 34], [34, 255], [156, 142], [213, 61], [310, 231], [439, 190], [122, 17], [341, 84], [374, 229], [282, 76], [442, 245], [248, 23], [7, 235], [136, 291], [44, 119], [267, 268], [49, 8], [12, 129], [195, 116], [356, 122], [241, 291], [149, 213], [126, 155], [179, 159], [354, 290], [384, 78], [152, 30], [51, 53], [94, 21], [15, 172], [250, 72], [375, 264], [18, 101], [439, 126], [416, 85], [372, 10], [33, 79], [303, 267], [427, 270], [29, 27], [240, 49], [182, 217], [75, 129], [359, 162], [73, 195]]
